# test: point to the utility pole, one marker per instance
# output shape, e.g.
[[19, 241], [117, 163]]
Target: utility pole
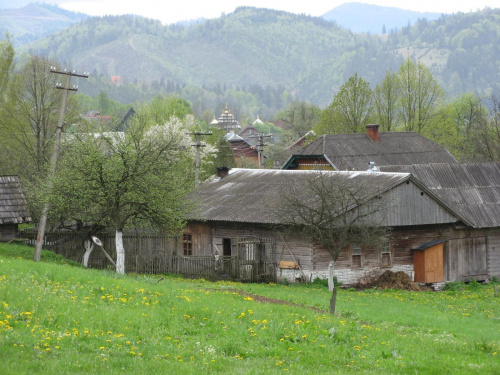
[[198, 146], [55, 153], [260, 148]]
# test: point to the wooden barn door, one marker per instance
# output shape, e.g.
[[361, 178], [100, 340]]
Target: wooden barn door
[[466, 259]]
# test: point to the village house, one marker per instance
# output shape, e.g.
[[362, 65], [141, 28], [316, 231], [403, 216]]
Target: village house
[[13, 207], [244, 153], [353, 152], [237, 217]]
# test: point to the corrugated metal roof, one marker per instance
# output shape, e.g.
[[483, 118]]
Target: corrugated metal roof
[[13, 206], [248, 195], [355, 151], [472, 189]]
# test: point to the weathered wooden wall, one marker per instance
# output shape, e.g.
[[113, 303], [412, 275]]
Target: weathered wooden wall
[[494, 253], [394, 208], [468, 253], [8, 232]]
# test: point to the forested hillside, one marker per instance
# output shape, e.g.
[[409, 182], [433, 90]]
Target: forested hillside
[[306, 57], [462, 50], [249, 47]]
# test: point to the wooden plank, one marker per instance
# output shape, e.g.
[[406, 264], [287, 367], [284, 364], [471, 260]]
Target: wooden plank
[[288, 264]]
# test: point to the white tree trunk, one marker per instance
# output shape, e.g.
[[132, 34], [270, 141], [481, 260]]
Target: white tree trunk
[[331, 284], [89, 246], [120, 253]]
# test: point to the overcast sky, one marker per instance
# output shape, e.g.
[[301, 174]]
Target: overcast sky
[[169, 11]]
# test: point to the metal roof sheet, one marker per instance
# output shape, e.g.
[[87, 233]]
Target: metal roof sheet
[[355, 151], [248, 195]]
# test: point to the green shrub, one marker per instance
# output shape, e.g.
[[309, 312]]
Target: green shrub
[[454, 285], [474, 284]]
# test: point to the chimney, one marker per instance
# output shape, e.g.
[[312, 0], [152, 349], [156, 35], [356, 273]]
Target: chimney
[[372, 131], [222, 171]]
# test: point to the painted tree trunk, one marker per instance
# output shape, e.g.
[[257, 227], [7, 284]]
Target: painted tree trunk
[[331, 284], [331, 287], [120, 253], [89, 246]]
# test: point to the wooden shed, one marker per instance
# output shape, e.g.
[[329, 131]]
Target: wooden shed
[[13, 207], [428, 262]]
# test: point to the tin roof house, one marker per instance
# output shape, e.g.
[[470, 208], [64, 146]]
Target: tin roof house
[[353, 152], [237, 213]]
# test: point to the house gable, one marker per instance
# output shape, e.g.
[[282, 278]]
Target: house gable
[[410, 204], [472, 190]]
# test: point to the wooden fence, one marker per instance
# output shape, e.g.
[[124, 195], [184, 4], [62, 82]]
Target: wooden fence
[[155, 253]]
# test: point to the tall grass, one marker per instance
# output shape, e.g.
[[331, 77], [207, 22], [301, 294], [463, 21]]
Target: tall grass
[[60, 319]]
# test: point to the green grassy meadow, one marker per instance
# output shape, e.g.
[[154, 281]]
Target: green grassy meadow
[[56, 318]]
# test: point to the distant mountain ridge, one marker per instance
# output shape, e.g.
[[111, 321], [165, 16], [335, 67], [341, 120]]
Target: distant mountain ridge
[[308, 57], [363, 18], [35, 21]]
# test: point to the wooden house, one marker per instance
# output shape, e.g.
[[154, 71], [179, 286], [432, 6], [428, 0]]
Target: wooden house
[[13, 207], [244, 153], [237, 214], [472, 190], [354, 152], [250, 134]]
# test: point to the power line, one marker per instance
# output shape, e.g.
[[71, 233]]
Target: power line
[[55, 153], [198, 146]]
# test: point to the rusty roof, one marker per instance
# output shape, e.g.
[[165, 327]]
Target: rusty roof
[[13, 205], [354, 151], [248, 195], [471, 189]]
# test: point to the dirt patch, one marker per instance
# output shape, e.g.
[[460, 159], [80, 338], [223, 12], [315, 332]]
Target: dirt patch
[[264, 299], [388, 280], [394, 280]]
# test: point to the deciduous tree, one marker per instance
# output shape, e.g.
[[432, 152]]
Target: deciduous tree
[[300, 116], [29, 118], [385, 99], [335, 210], [119, 180], [420, 95], [350, 110]]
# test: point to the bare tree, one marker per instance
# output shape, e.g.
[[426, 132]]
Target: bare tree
[[334, 210], [29, 118]]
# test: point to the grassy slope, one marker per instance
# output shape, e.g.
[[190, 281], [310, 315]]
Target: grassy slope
[[64, 319]]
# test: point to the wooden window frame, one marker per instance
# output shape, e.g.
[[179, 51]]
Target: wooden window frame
[[386, 251], [356, 256], [187, 244]]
